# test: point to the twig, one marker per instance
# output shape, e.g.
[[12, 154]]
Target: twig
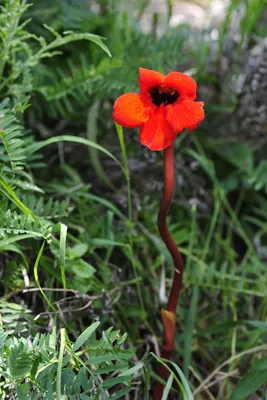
[[229, 361], [50, 290]]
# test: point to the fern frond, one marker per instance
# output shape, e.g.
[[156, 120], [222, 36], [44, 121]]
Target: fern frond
[[13, 224], [50, 209], [21, 51], [14, 318], [76, 79], [67, 90], [231, 279], [12, 147]]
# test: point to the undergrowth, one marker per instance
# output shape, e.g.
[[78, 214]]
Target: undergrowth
[[83, 271]]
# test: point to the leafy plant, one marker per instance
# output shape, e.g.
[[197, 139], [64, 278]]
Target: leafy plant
[[78, 235], [35, 366]]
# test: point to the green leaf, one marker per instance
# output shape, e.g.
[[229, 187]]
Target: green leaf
[[71, 37], [82, 269], [183, 380], [108, 383], [251, 381], [12, 149], [167, 388], [206, 164], [105, 203], [112, 368], [132, 370], [240, 155], [77, 251], [7, 190], [105, 242], [16, 238], [258, 177], [122, 144], [69, 138], [258, 324], [62, 252], [22, 391], [85, 336], [189, 328], [120, 393], [36, 275], [16, 249], [19, 362], [60, 362], [122, 355], [3, 337], [92, 136]]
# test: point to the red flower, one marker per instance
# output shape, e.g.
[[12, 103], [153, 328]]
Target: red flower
[[164, 107]]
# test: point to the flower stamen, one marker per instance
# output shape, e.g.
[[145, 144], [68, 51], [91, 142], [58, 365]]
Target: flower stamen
[[163, 95]]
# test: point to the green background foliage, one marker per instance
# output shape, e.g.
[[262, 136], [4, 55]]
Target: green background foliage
[[84, 273]]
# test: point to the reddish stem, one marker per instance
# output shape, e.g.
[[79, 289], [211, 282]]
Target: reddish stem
[[168, 323]]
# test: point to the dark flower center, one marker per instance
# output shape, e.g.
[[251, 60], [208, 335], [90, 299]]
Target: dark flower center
[[165, 97]]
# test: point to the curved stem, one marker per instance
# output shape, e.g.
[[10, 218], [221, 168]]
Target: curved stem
[[168, 316]]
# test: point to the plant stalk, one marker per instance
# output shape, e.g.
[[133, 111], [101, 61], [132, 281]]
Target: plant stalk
[[169, 315]]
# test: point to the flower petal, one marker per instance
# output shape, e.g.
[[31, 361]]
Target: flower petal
[[187, 114], [156, 133], [184, 84], [149, 79], [132, 109]]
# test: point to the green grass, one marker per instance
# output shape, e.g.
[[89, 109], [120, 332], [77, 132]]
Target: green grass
[[84, 273]]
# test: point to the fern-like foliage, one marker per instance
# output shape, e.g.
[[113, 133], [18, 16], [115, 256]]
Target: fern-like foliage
[[39, 361], [70, 88], [47, 210], [20, 224], [12, 147], [15, 319], [21, 51]]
